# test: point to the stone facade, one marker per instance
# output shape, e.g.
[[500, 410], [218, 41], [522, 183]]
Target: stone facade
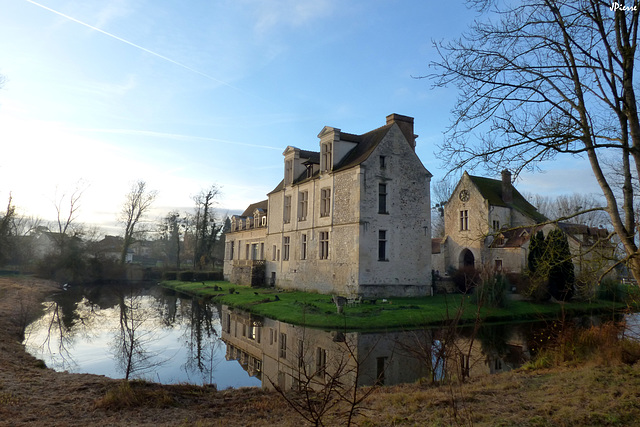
[[291, 356], [488, 225], [352, 219]]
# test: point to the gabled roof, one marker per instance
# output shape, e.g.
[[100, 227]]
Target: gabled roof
[[279, 187], [513, 237], [366, 143], [585, 235], [252, 207], [491, 190]]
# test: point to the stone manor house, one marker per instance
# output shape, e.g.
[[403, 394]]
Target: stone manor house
[[352, 219]]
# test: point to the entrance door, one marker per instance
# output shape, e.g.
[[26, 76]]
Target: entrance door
[[467, 259]]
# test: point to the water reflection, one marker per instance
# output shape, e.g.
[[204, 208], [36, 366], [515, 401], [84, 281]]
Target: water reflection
[[134, 332], [293, 357], [151, 333]]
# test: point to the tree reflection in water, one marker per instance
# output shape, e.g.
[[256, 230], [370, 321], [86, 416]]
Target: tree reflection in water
[[135, 334], [132, 332]]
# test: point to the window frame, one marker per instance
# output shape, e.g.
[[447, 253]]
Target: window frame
[[303, 205], [303, 246], [464, 220], [325, 202], [286, 217], [382, 245], [323, 239], [286, 248], [382, 198]]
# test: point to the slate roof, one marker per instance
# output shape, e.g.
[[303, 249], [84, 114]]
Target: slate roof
[[513, 238], [366, 143], [279, 187], [491, 190], [585, 235], [252, 207]]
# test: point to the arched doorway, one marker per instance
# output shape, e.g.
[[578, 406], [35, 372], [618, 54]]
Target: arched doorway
[[467, 260]]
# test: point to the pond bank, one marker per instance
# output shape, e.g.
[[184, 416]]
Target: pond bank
[[319, 311], [32, 395]]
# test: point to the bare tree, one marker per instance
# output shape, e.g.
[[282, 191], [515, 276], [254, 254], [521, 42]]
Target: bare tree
[[137, 203], [543, 79], [441, 190], [576, 208], [66, 225], [7, 231], [207, 227]]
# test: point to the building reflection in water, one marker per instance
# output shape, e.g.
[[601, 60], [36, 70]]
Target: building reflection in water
[[290, 356]]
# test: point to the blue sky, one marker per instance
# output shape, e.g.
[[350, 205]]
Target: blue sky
[[188, 94]]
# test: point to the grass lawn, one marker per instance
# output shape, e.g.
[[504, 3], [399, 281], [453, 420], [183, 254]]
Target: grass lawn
[[316, 310]]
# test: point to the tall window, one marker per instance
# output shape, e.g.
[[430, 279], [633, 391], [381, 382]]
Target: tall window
[[321, 361], [303, 247], [273, 255], [324, 245], [287, 209], [300, 353], [283, 345], [231, 250], [325, 159], [464, 220], [382, 198], [303, 204], [382, 245], [383, 162], [285, 248], [325, 202], [496, 225]]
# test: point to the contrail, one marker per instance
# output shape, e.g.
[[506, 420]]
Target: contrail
[[173, 136], [134, 45]]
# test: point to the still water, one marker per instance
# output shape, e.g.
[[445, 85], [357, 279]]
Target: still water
[[153, 334], [145, 331]]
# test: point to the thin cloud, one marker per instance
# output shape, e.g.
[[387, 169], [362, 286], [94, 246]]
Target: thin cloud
[[186, 67], [173, 136]]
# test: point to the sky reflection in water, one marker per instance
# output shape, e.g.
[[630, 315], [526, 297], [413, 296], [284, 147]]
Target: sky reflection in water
[[179, 338]]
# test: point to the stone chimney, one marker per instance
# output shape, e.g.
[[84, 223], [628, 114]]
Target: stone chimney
[[507, 188], [406, 126]]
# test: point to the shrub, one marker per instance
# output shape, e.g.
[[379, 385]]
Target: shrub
[[185, 276], [493, 292], [611, 290], [170, 275]]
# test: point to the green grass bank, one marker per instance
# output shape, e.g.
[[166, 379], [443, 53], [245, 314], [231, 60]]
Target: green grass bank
[[319, 311]]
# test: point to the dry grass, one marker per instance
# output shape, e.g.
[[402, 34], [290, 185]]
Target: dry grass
[[605, 391]]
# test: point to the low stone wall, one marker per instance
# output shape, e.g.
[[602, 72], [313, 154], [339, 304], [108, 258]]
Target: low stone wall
[[248, 273]]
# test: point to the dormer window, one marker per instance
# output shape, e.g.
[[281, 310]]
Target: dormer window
[[325, 157], [288, 171], [264, 221]]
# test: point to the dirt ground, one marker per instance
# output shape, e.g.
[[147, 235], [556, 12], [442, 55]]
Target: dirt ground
[[31, 394]]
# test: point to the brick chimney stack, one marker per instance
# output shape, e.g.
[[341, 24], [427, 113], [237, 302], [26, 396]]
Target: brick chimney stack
[[507, 187], [406, 126]]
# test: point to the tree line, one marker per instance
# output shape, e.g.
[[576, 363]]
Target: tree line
[[67, 250]]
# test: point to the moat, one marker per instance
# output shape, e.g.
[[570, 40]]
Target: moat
[[152, 333]]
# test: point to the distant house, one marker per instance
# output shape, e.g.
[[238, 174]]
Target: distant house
[[351, 219], [110, 247], [489, 224]]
